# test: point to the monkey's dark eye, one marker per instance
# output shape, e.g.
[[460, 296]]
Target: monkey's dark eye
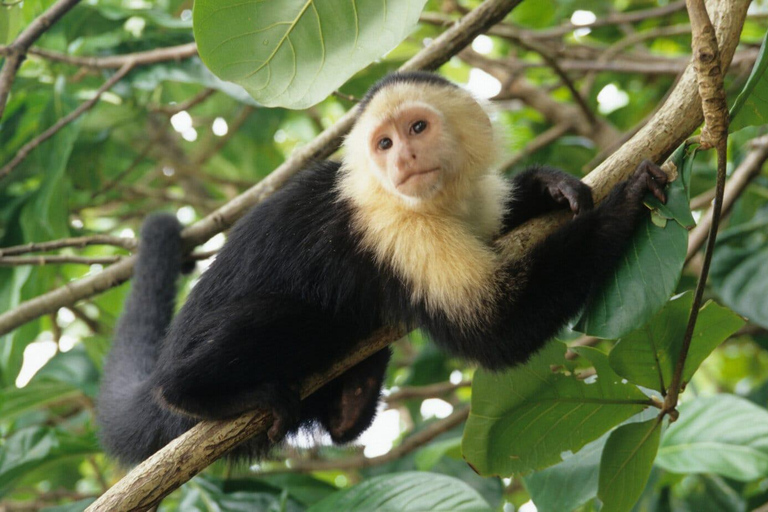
[[385, 143], [419, 126]]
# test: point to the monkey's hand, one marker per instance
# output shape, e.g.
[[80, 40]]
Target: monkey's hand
[[567, 191], [648, 177]]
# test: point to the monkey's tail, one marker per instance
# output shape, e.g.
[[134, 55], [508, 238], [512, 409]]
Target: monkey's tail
[[132, 425]]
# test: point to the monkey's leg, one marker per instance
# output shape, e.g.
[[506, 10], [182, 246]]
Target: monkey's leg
[[250, 353], [347, 405], [542, 189]]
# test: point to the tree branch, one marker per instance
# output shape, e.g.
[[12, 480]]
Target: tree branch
[[709, 72], [180, 52], [79, 242]]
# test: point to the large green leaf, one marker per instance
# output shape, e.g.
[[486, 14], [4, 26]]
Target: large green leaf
[[294, 53], [739, 271], [526, 418], [650, 270], [570, 484], [751, 106], [405, 492], [721, 434], [30, 448], [647, 356], [626, 464]]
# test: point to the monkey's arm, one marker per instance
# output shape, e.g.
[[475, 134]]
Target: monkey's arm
[[542, 189], [555, 281]]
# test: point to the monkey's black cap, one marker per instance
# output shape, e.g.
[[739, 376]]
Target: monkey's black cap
[[416, 77]]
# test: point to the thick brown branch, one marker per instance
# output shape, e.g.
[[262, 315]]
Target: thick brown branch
[[706, 58]]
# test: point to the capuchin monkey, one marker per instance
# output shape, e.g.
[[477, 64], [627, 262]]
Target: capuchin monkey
[[399, 233]]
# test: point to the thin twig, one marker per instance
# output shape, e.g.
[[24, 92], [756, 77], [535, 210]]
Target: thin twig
[[27, 148], [613, 19], [175, 53], [555, 65], [60, 259], [432, 390], [57, 259], [185, 105], [714, 134], [125, 172], [78, 242]]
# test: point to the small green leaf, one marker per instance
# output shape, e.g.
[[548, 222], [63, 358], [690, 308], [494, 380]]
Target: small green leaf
[[751, 106], [406, 492], [527, 417], [647, 356], [295, 53], [626, 464], [678, 192], [721, 434]]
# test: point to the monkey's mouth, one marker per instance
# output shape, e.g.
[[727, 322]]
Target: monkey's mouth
[[408, 177]]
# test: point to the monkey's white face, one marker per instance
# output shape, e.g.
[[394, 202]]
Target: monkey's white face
[[405, 148]]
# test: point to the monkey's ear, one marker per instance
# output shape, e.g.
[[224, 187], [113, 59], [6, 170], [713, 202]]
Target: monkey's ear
[[187, 266]]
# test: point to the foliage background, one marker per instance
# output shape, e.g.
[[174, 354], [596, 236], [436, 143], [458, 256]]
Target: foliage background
[[157, 141]]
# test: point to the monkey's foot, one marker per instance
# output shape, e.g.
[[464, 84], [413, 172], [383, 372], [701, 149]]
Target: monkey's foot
[[648, 177], [355, 411], [567, 190], [285, 405]]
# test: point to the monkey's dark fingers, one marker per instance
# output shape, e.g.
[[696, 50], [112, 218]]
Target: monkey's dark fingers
[[574, 194], [654, 177], [279, 428]]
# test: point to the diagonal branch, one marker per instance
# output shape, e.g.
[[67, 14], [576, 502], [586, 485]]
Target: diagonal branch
[[710, 75]]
